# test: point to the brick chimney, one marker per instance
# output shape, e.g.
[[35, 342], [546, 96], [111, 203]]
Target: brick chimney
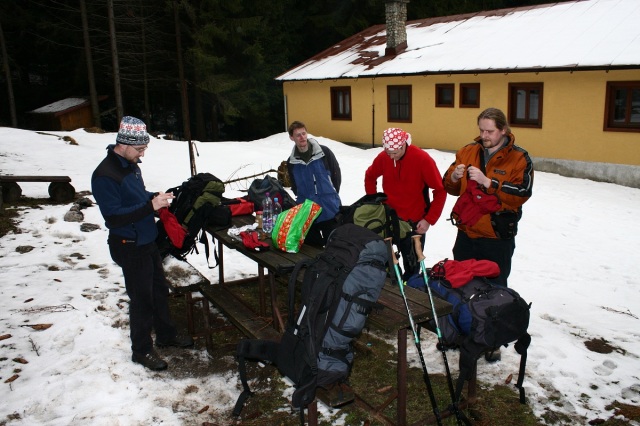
[[396, 19]]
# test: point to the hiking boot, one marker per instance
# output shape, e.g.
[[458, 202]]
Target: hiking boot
[[178, 341], [151, 361], [336, 394], [493, 356]]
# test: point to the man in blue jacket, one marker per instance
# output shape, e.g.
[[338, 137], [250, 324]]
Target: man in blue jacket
[[128, 210], [315, 175]]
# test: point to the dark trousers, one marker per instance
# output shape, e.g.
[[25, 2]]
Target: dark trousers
[[408, 255], [148, 292], [499, 251]]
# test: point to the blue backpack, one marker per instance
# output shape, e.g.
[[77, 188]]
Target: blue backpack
[[485, 317], [489, 314]]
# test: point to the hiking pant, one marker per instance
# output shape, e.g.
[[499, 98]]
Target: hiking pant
[[499, 251], [408, 255], [148, 292]]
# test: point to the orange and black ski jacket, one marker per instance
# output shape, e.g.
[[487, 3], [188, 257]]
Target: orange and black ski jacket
[[511, 173]]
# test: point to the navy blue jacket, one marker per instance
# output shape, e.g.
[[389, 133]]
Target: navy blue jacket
[[124, 202]]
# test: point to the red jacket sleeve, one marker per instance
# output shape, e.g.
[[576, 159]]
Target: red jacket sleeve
[[372, 174]]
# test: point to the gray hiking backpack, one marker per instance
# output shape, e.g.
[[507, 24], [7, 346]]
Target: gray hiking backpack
[[340, 287]]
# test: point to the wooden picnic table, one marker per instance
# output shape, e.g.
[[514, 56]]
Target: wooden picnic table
[[274, 268]]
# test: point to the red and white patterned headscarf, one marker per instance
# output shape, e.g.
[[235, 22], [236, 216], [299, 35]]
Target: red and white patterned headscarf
[[393, 139]]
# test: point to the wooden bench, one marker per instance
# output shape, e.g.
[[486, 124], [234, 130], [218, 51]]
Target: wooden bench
[[238, 313], [184, 280], [274, 268], [60, 188]]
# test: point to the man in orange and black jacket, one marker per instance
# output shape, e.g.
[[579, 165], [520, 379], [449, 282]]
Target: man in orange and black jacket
[[502, 172]]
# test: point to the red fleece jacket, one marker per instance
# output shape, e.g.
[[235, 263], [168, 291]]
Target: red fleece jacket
[[404, 181]]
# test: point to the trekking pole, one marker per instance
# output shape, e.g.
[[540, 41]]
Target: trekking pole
[[416, 336], [460, 417]]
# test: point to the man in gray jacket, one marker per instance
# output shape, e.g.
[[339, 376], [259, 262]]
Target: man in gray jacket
[[315, 175]]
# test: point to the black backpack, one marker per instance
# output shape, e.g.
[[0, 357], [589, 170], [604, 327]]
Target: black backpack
[[485, 317], [259, 188], [340, 287], [197, 205]]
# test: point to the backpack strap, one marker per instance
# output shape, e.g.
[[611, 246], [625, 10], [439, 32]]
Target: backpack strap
[[470, 352], [393, 223], [340, 354], [293, 279], [202, 238], [264, 350], [521, 347], [336, 273], [205, 242], [364, 307]]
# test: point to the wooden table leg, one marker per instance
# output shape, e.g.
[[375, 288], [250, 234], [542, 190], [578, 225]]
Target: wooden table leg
[[220, 262], [278, 323], [207, 326], [472, 389], [188, 300], [261, 292], [312, 413]]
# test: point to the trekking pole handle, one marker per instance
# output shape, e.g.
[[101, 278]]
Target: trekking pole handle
[[396, 266], [417, 243]]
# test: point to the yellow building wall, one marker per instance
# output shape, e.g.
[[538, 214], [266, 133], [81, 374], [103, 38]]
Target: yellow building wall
[[572, 113]]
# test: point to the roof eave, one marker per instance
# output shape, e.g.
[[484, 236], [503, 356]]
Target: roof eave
[[572, 68]]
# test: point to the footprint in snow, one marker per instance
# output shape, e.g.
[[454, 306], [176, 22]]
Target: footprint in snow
[[606, 368], [632, 392]]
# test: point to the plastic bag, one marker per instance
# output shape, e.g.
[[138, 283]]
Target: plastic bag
[[292, 226]]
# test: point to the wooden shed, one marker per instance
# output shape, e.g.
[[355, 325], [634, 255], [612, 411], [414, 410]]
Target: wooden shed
[[65, 114]]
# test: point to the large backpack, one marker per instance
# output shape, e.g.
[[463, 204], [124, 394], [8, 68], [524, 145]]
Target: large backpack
[[339, 289], [485, 317], [196, 206]]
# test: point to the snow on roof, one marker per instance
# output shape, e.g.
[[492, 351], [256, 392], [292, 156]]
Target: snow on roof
[[569, 35], [61, 105]]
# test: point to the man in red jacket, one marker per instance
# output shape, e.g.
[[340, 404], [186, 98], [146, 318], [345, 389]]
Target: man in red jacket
[[408, 174]]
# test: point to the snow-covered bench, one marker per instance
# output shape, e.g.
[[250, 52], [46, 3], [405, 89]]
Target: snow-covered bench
[[60, 188]]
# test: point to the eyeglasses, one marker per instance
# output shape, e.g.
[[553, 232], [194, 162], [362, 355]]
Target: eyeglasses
[[140, 150]]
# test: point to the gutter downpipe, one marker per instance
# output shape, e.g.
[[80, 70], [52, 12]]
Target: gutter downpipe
[[373, 113], [286, 115]]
